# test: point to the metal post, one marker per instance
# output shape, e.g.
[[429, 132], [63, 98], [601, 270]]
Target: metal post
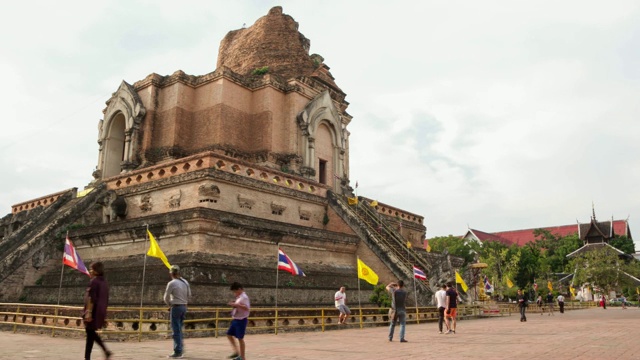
[[55, 321], [15, 320], [62, 272], [140, 326], [217, 317], [277, 260]]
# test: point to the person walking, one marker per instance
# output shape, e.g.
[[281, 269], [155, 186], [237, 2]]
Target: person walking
[[398, 306], [550, 303], [522, 305], [441, 298], [177, 296], [561, 303], [603, 302], [451, 308], [239, 316], [341, 305], [540, 304], [96, 300], [624, 302]]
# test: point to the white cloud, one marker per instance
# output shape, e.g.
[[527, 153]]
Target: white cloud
[[501, 116]]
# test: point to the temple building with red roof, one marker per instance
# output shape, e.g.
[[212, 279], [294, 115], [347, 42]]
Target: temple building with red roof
[[591, 232]]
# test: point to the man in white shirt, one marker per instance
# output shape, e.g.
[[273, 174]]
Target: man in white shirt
[[441, 297], [341, 301], [561, 303]]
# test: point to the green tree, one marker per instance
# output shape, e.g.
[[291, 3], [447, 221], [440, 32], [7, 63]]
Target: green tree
[[456, 246], [555, 250], [603, 268], [380, 296], [528, 268], [502, 262], [623, 244]]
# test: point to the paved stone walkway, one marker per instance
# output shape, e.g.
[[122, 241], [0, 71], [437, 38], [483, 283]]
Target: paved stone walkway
[[585, 334]]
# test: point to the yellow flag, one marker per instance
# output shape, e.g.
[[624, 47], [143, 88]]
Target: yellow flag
[[352, 201], [365, 273], [573, 291], [408, 244], [155, 250], [509, 283], [374, 203], [638, 290], [460, 281], [549, 286], [428, 248]]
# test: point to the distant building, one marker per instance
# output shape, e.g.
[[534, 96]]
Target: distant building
[[591, 232]]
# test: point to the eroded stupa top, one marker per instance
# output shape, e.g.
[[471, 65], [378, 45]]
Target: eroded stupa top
[[273, 41]]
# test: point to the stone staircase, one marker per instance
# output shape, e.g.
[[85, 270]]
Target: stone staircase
[[36, 240], [383, 240]]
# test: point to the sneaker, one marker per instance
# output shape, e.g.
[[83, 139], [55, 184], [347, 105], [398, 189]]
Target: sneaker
[[175, 356], [108, 354], [238, 358], [233, 356], [441, 332], [403, 340], [448, 332]]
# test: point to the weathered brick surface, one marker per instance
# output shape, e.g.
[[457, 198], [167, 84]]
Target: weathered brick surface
[[273, 41]]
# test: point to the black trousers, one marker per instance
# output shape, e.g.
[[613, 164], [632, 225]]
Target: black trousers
[[440, 317], [522, 313], [92, 337], [561, 305]]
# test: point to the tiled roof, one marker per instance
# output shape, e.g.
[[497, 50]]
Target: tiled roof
[[521, 237], [483, 236]]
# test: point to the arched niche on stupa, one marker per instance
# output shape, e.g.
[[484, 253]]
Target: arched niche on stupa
[[119, 133], [323, 139]]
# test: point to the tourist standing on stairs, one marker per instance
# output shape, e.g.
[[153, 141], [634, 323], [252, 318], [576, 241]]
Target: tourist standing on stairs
[[522, 305], [451, 310], [398, 305], [177, 296], [441, 298], [96, 299], [341, 305]]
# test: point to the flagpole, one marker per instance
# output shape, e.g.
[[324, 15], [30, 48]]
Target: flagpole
[[62, 272], [358, 280], [416, 296], [144, 267], [357, 201], [277, 272]]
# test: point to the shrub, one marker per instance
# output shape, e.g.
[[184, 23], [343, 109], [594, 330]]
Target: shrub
[[260, 71]]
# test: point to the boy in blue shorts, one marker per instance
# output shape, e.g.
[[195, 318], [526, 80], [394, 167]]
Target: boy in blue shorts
[[239, 316]]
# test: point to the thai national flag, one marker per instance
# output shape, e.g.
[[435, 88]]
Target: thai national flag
[[285, 263], [419, 274], [487, 285], [71, 257]]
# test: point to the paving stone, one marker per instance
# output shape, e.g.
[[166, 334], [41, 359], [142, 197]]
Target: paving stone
[[591, 333]]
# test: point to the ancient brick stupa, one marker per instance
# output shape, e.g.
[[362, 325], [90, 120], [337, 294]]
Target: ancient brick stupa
[[223, 169]]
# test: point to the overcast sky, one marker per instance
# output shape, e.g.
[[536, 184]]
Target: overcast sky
[[495, 115]]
